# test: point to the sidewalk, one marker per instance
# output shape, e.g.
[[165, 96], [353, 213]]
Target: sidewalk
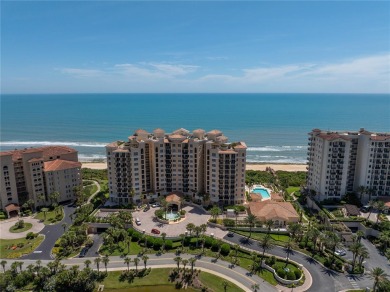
[[7, 224]]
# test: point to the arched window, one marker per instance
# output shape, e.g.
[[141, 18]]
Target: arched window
[[5, 168]]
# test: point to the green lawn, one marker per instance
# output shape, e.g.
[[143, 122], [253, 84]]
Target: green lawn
[[214, 283], [29, 245], [26, 227], [135, 249], [51, 216], [90, 189], [280, 239], [290, 190], [160, 277]]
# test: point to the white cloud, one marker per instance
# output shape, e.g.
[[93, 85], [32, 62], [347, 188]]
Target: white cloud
[[369, 74]]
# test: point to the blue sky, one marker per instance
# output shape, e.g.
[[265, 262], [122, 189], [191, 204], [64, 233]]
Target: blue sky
[[219, 46]]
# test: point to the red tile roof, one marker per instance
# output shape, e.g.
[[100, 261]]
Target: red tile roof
[[48, 151], [60, 164], [270, 210]]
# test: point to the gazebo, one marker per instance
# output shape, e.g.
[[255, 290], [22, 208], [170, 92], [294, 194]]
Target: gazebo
[[12, 210], [174, 201]]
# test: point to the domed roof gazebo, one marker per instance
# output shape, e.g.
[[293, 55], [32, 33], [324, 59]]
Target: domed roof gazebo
[[174, 200]]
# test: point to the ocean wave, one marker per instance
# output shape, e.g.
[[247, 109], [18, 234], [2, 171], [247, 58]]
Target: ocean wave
[[288, 160], [49, 143], [92, 157], [277, 148]]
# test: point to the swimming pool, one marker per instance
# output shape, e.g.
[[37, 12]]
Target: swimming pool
[[263, 192]]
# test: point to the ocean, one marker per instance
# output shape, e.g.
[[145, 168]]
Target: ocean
[[274, 126]]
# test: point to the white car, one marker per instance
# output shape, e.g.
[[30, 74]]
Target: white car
[[137, 221], [340, 252], [155, 205]]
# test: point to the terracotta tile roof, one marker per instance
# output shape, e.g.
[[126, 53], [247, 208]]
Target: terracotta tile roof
[[60, 164], [198, 131], [173, 197], [241, 145], [35, 160], [12, 207], [270, 210], [113, 144], [333, 136], [214, 132], [48, 151], [352, 210], [158, 130], [229, 151], [380, 138], [176, 136]]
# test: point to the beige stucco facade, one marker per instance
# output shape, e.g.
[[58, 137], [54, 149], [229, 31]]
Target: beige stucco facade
[[33, 172], [155, 164]]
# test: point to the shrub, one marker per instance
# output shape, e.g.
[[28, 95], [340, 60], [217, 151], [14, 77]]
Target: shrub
[[130, 231], [281, 273], [2, 216], [208, 242], [297, 274], [225, 249], [270, 261], [228, 222], [20, 244], [187, 241], [338, 265], [182, 212], [150, 241], [168, 244], [291, 275], [158, 242], [30, 235], [215, 245], [57, 243], [136, 236]]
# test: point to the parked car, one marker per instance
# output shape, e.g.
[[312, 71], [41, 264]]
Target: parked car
[[155, 231], [137, 221], [83, 252], [155, 205], [365, 209], [340, 252], [230, 234], [146, 209]]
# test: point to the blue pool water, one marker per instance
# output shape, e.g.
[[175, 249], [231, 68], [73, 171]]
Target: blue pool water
[[263, 192]]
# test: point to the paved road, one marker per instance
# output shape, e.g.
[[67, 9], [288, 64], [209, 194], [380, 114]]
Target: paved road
[[324, 280], [238, 274], [52, 233], [97, 242]]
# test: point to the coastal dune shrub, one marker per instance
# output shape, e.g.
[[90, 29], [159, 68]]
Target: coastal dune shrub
[[225, 249]]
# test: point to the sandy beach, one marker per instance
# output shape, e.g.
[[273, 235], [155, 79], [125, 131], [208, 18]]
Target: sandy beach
[[285, 167]]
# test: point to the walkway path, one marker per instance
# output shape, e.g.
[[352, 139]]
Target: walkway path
[[237, 275], [5, 225], [95, 193]]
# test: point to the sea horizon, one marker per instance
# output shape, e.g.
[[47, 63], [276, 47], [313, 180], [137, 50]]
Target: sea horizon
[[273, 125]]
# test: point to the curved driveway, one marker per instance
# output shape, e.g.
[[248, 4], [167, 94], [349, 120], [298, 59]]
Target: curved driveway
[[51, 233], [324, 280]]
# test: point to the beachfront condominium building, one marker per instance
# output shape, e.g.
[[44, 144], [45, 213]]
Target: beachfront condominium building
[[341, 162], [202, 166], [35, 173]]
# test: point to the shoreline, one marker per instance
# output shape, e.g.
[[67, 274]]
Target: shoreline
[[249, 166]]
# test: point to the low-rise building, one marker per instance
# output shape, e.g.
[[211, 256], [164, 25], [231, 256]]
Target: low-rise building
[[281, 213]]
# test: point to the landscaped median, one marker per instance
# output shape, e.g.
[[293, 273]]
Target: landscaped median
[[15, 248]]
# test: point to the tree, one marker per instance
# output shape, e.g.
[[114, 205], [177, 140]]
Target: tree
[[197, 230], [97, 261], [136, 262], [288, 247], [332, 242], [127, 261], [128, 243], [87, 263], [295, 229], [192, 263], [145, 259], [177, 260], [251, 221], [44, 210], [30, 203], [268, 225], [3, 263], [378, 275], [371, 204], [359, 234], [164, 205], [356, 249], [41, 198], [361, 190], [105, 261], [380, 205], [185, 263], [215, 211], [182, 237], [364, 254], [64, 225], [254, 287], [225, 285], [53, 197], [266, 243], [163, 236], [190, 227], [236, 248], [236, 213]]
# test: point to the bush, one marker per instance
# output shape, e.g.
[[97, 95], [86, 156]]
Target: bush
[[158, 242], [130, 231], [187, 241], [168, 244], [2, 216], [297, 274], [225, 249], [291, 275], [182, 212], [281, 273], [57, 243], [31, 235], [215, 245], [270, 261], [208, 242], [136, 236], [228, 222], [150, 241]]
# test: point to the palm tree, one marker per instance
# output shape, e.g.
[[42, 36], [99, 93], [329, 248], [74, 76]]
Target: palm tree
[[145, 259], [177, 260], [97, 261], [288, 247], [236, 213], [105, 261], [236, 248], [295, 229], [197, 230], [87, 263], [192, 263], [20, 264], [3, 263], [44, 210], [190, 227], [332, 242], [127, 261], [215, 211], [254, 287], [266, 243], [361, 190], [53, 197], [251, 221], [371, 204], [164, 205], [136, 262], [203, 228], [185, 263], [225, 285], [128, 243], [356, 249], [359, 234], [268, 225], [182, 237], [378, 275], [380, 205], [364, 254]]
